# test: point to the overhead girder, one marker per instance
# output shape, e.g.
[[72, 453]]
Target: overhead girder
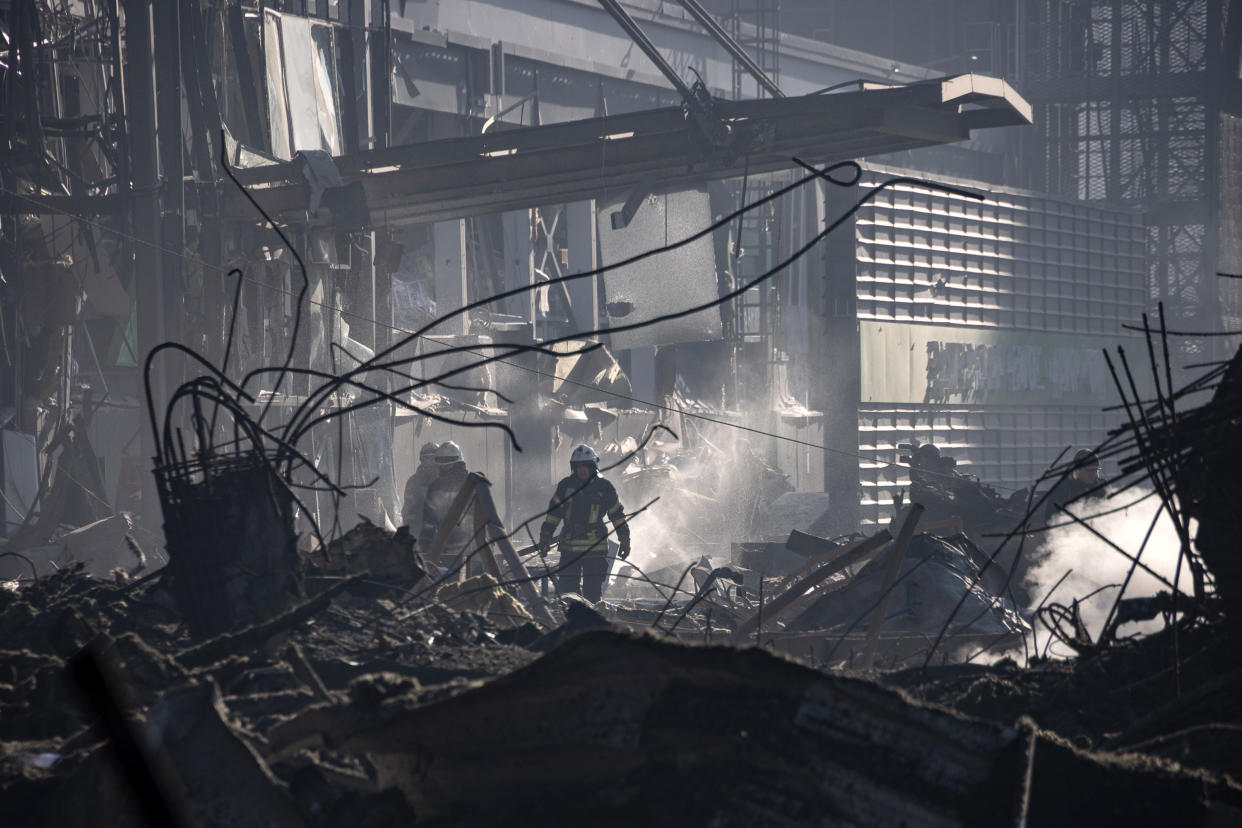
[[577, 160]]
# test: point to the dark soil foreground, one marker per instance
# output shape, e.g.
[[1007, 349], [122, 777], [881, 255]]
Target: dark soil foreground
[[373, 713]]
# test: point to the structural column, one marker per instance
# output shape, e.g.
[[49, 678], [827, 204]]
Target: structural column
[[519, 263], [166, 19], [583, 293], [449, 244], [839, 388], [145, 204]]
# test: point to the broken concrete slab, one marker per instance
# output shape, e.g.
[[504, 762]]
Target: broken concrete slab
[[803, 511], [612, 728]]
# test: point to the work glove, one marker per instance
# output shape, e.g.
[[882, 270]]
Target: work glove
[[624, 551]]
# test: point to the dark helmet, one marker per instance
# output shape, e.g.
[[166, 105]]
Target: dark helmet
[[1085, 459], [927, 454]]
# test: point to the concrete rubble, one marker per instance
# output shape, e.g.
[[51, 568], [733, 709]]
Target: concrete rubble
[[338, 246], [373, 708]]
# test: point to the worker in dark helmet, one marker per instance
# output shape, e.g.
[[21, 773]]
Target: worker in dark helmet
[[416, 487], [947, 493], [581, 502], [451, 474], [1083, 482], [931, 476]]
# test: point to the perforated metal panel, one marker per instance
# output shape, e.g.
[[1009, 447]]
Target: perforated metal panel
[[1005, 447], [1015, 261], [671, 281], [1055, 276]]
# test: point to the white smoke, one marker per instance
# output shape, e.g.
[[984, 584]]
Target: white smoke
[[709, 489], [1096, 567]]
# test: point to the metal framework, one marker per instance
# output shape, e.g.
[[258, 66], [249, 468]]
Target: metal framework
[[62, 133], [755, 26], [1126, 114], [555, 163]]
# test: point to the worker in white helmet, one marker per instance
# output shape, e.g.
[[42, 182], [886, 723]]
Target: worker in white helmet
[[416, 487], [451, 475], [581, 502]]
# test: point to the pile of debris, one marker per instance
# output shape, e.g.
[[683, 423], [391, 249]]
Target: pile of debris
[[253, 683], [393, 700]]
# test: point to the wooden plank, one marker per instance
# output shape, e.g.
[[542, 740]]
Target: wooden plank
[[517, 570], [484, 547], [827, 551], [852, 554], [910, 520], [457, 509]]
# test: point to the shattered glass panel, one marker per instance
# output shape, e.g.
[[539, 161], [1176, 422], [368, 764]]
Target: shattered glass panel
[[668, 282]]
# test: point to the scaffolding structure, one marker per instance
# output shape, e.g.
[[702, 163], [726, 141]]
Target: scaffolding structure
[[755, 25], [1127, 114]]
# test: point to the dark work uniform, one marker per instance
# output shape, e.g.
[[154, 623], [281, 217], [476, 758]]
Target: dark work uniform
[[415, 493], [582, 506], [1070, 492], [441, 493]]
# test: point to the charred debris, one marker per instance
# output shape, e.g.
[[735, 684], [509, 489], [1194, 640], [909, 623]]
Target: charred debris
[[260, 678], [285, 652]]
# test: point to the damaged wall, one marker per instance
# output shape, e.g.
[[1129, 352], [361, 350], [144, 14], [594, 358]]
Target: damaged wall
[[1012, 299]]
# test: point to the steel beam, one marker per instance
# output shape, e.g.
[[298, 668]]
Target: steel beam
[[600, 157]]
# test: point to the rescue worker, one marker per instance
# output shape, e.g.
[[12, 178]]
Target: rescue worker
[[581, 502], [451, 473], [931, 477], [416, 487], [1082, 482]]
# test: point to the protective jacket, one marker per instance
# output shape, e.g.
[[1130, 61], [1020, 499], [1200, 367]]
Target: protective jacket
[[582, 506], [1068, 491], [440, 496], [415, 493]]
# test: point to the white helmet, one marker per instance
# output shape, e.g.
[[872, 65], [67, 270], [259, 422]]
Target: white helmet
[[584, 454], [448, 453]]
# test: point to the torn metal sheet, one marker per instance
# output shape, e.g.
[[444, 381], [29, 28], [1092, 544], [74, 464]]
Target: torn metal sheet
[[323, 56], [277, 100], [594, 376], [304, 113], [299, 67], [933, 576], [672, 281], [715, 735], [618, 729]]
